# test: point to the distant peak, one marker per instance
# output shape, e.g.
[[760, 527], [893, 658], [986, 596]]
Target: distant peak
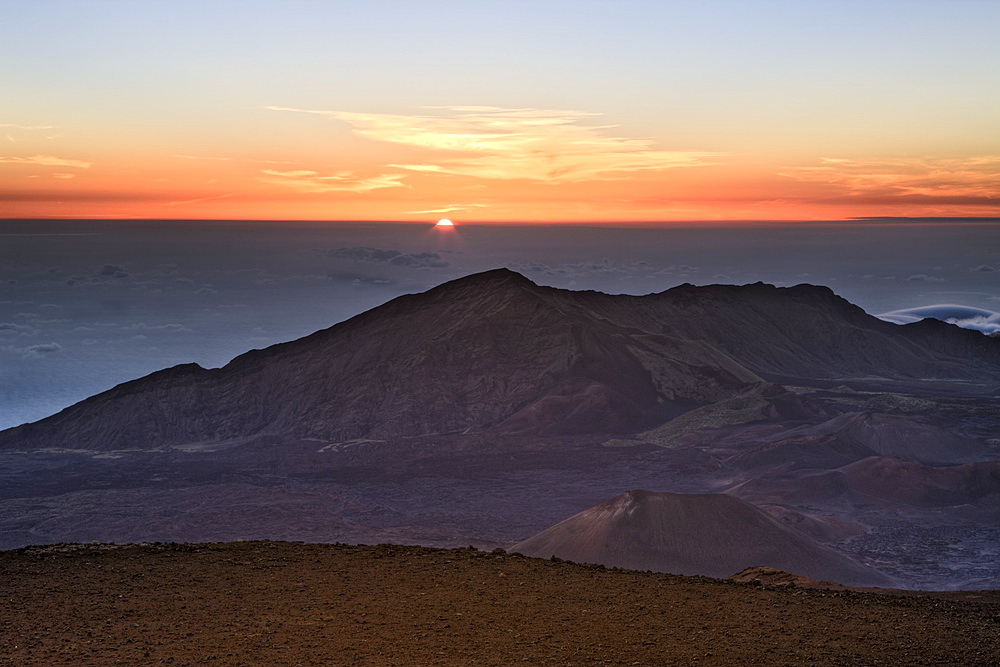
[[499, 276], [756, 289], [502, 273]]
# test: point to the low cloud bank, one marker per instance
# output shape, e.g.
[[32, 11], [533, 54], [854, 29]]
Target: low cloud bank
[[385, 255], [967, 317]]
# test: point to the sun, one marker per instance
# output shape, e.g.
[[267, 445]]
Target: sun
[[444, 222]]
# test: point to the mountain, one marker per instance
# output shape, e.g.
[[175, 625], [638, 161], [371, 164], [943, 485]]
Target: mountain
[[708, 534], [495, 352], [805, 332]]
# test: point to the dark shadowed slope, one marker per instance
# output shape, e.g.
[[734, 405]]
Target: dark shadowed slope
[[495, 351], [708, 534]]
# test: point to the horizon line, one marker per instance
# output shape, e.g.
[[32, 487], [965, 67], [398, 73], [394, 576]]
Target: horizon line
[[539, 223]]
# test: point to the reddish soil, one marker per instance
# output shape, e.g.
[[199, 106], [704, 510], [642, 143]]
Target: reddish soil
[[276, 603]]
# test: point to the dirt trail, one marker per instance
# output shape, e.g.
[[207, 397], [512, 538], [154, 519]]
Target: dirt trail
[[275, 603]]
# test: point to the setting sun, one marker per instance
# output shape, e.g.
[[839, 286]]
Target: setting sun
[[445, 222]]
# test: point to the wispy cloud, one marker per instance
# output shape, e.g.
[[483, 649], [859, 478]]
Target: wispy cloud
[[605, 267], [924, 277], [142, 326], [390, 256], [932, 177], [195, 201], [46, 161], [449, 209], [313, 182], [203, 157], [534, 144], [28, 127], [33, 350], [316, 111]]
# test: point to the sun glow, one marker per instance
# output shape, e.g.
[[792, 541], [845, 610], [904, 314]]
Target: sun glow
[[444, 222]]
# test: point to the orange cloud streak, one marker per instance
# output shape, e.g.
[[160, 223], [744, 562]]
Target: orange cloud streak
[[530, 144], [932, 177]]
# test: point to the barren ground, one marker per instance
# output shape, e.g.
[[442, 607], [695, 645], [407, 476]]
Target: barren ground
[[279, 603]]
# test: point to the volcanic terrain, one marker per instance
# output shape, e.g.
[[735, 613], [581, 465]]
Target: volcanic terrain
[[286, 604], [489, 409]]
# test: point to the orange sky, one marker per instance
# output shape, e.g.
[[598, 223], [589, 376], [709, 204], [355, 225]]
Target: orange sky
[[140, 111]]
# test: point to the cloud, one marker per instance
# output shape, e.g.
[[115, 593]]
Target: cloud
[[388, 256], [28, 127], [364, 254], [603, 268], [316, 111], [195, 201], [967, 317], [46, 161], [142, 326], [7, 328], [112, 271], [40, 350], [420, 259], [63, 175], [923, 277], [448, 209], [203, 157], [983, 268], [44, 348], [542, 145], [313, 182], [357, 279], [974, 177]]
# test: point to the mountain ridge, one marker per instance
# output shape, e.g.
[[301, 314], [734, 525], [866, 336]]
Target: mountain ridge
[[494, 350]]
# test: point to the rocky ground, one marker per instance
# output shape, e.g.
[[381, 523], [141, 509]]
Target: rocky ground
[[279, 603]]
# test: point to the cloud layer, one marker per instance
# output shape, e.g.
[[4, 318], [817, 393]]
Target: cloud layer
[[46, 161], [979, 319], [533, 144], [311, 181], [389, 256], [975, 177]]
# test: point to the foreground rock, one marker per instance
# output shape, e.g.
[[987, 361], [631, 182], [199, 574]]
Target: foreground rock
[[272, 603]]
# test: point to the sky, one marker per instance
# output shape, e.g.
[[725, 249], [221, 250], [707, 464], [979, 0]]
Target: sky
[[183, 181], [528, 112]]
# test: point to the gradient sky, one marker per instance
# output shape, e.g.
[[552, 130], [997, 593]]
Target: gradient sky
[[516, 111]]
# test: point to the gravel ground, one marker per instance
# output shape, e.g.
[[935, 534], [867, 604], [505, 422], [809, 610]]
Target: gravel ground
[[280, 603]]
